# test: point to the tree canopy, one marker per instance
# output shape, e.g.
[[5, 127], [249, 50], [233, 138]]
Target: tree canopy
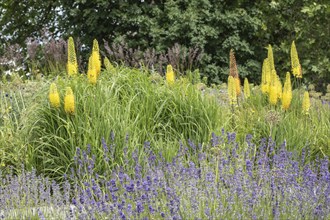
[[214, 26]]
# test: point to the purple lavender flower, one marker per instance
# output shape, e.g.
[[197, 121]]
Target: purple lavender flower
[[139, 207], [112, 186], [214, 140], [41, 215], [130, 187], [122, 215], [248, 164]]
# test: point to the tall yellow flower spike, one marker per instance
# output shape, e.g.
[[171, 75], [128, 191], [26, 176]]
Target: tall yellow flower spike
[[265, 77], [91, 73], [287, 92], [295, 64], [279, 87], [271, 58], [238, 86], [72, 65], [96, 57], [69, 105], [233, 71], [246, 88], [108, 66], [54, 97], [232, 91], [170, 77], [273, 92], [272, 95], [306, 103]]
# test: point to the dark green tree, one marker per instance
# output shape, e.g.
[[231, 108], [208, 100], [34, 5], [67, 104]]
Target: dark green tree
[[24, 19], [308, 24], [215, 26]]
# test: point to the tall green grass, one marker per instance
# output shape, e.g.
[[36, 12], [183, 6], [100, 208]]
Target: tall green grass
[[128, 104], [15, 100]]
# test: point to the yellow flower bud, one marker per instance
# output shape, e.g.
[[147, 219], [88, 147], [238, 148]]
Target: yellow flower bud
[[246, 88], [287, 92], [96, 57], [170, 77], [92, 76], [232, 91], [233, 71], [238, 86], [278, 87], [265, 77], [72, 65], [270, 58], [273, 95], [306, 103], [69, 104], [295, 64], [91, 73], [273, 89], [54, 97]]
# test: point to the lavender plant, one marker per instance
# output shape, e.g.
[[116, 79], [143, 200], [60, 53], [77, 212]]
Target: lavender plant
[[217, 181]]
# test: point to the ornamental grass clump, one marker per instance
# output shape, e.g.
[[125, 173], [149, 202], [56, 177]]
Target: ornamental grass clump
[[128, 103], [287, 92], [295, 64], [72, 65], [69, 104], [54, 97]]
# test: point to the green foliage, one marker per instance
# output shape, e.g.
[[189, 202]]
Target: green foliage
[[141, 105], [20, 20], [127, 103], [213, 26], [16, 99], [209, 25]]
